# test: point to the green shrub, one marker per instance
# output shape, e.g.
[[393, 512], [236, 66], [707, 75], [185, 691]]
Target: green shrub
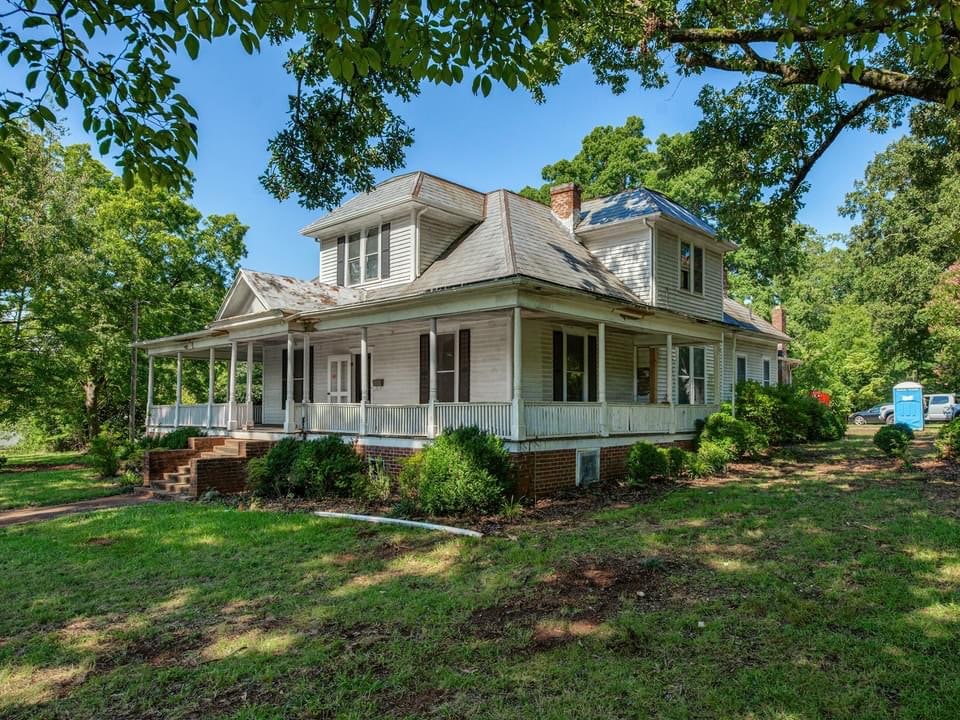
[[374, 485], [742, 437], [713, 457], [3, 461], [102, 455], [785, 415], [948, 440], [646, 461], [259, 480], [464, 471], [677, 461], [894, 440], [178, 439]]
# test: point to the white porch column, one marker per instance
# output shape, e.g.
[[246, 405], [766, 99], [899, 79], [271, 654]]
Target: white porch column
[[232, 389], [673, 408], [210, 379], [304, 392], [364, 380], [288, 414], [518, 420], [179, 399], [733, 384], [432, 405], [249, 398], [602, 376], [149, 388]]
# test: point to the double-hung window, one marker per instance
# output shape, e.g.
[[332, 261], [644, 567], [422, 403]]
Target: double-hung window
[[766, 371], [446, 367], [575, 370], [691, 267], [366, 256], [741, 368], [691, 375]]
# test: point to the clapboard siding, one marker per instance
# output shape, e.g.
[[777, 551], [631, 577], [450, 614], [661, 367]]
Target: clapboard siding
[[435, 237], [401, 255], [394, 358], [754, 353], [710, 390], [669, 294], [627, 255]]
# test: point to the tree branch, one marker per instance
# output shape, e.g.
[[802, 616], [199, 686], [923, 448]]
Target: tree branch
[[800, 33], [878, 79], [842, 122]]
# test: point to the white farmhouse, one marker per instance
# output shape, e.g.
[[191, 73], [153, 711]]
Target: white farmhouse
[[571, 331]]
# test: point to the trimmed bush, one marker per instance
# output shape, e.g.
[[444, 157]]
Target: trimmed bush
[[713, 457], [677, 461], [743, 438], [948, 440], [893, 440], [645, 462], [177, 439], [325, 467], [259, 480], [102, 455], [785, 415], [463, 472]]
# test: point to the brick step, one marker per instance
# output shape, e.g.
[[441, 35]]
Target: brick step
[[171, 486], [222, 451]]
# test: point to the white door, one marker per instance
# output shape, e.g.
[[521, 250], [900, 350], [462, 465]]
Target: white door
[[338, 379]]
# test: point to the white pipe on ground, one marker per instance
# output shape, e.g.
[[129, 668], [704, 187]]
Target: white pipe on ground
[[397, 521]]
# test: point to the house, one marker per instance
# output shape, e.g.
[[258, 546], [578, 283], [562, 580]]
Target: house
[[571, 331]]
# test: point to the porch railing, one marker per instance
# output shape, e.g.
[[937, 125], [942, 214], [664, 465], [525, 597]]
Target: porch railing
[[494, 417], [551, 419], [329, 417], [631, 419], [397, 420], [162, 415]]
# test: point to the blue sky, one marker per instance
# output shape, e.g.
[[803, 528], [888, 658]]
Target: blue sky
[[487, 143]]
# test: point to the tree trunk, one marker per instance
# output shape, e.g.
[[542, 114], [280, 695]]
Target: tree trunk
[[91, 407]]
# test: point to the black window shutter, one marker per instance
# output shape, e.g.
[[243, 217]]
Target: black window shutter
[[557, 366], [385, 251], [283, 381], [464, 390], [424, 369], [356, 378], [341, 260], [591, 368]]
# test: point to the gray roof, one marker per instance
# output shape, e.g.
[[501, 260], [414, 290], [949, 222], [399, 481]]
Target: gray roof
[[634, 204], [743, 318], [419, 187], [282, 292]]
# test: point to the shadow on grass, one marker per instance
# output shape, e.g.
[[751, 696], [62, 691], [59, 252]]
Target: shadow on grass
[[789, 591]]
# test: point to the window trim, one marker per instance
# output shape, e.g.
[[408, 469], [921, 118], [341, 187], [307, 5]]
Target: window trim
[[694, 248], [746, 369], [766, 371], [692, 365], [651, 367], [586, 363], [364, 235], [455, 334]]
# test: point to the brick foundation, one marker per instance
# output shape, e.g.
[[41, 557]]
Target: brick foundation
[[392, 457]]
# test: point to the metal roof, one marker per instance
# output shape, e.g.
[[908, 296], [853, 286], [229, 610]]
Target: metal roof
[[634, 204], [742, 317]]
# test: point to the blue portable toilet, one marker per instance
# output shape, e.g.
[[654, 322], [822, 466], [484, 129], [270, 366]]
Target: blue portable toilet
[[908, 404]]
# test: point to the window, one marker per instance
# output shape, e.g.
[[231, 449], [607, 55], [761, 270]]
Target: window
[[698, 270], [741, 368], [353, 259], [576, 367], [446, 367], [645, 370], [686, 260], [691, 375], [298, 377], [766, 371], [371, 269]]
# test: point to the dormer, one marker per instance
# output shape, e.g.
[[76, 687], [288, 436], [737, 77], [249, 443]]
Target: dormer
[[393, 233], [663, 252]]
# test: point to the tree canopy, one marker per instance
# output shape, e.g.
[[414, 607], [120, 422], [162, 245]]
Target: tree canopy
[[77, 254]]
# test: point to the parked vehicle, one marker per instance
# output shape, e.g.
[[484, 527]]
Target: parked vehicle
[[940, 407], [877, 414]]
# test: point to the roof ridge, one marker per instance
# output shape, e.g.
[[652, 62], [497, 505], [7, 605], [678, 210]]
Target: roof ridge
[[508, 244]]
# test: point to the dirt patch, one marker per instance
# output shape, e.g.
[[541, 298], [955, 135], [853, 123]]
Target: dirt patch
[[417, 704], [102, 541], [573, 602], [17, 469]]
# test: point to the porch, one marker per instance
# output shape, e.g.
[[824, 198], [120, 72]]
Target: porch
[[521, 375]]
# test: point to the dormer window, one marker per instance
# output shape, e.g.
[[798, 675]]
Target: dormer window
[[363, 256], [691, 267]]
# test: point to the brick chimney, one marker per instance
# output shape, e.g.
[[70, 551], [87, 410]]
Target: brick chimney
[[565, 203], [778, 318]]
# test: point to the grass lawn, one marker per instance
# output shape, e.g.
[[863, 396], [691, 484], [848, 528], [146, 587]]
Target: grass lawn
[[50, 479], [821, 584]]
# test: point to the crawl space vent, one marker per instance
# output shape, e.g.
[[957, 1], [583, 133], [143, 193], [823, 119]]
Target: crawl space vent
[[588, 467]]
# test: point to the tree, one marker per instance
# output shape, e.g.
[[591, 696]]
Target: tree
[[942, 315], [351, 60], [113, 248]]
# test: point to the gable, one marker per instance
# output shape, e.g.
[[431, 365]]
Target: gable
[[241, 300]]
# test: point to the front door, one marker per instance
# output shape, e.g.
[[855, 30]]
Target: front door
[[338, 379]]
